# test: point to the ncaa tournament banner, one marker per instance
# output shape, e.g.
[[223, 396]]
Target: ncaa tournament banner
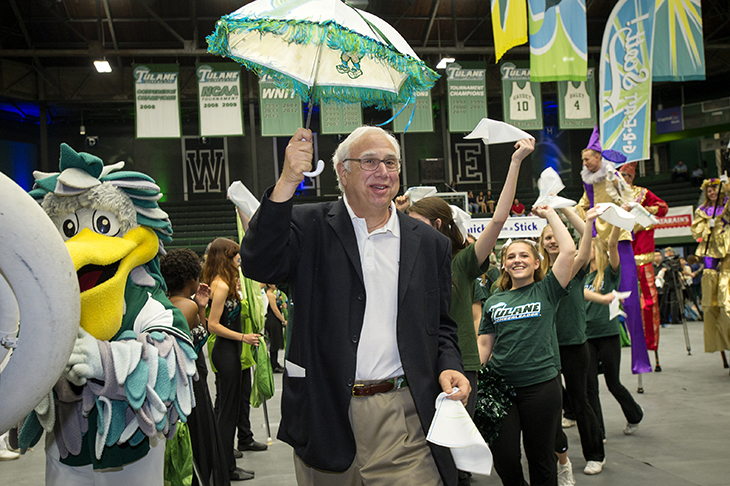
[[558, 40], [577, 102], [625, 79], [467, 97], [156, 100], [281, 110], [422, 117], [340, 118], [521, 98], [219, 99]]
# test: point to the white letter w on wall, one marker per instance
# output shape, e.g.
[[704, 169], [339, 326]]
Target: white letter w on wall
[[206, 168]]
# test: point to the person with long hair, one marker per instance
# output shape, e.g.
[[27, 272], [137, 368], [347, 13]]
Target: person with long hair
[[603, 333], [570, 324], [221, 274], [709, 227], [470, 261], [517, 339], [274, 322], [181, 270], [482, 202]]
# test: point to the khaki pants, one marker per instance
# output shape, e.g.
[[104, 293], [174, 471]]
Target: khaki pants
[[391, 446]]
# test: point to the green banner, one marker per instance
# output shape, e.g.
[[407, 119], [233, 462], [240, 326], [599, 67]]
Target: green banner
[[521, 98], [577, 103], [219, 99], [467, 95], [422, 117], [339, 118], [281, 110], [156, 100]]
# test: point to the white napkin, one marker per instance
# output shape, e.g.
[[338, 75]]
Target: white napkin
[[643, 217], [242, 198], [613, 308], [550, 185], [613, 214], [461, 218], [417, 193], [493, 131], [453, 428]]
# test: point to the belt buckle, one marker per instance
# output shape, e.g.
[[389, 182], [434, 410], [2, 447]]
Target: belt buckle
[[355, 387]]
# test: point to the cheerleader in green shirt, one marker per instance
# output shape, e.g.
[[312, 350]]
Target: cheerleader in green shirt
[[517, 338], [603, 333]]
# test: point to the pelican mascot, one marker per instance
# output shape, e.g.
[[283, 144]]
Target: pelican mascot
[[129, 377]]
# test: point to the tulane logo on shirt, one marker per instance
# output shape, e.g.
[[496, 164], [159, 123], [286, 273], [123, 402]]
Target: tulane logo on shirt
[[502, 313]]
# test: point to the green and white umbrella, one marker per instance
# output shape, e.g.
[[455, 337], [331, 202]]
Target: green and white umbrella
[[324, 50]]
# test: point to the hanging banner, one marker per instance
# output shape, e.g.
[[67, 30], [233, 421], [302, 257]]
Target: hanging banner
[[625, 79], [521, 98], [281, 110], [156, 100], [577, 102], [467, 97], [679, 52], [558, 40], [509, 25], [340, 118], [422, 117], [219, 99]]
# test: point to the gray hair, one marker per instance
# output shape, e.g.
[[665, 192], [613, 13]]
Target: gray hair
[[343, 150]]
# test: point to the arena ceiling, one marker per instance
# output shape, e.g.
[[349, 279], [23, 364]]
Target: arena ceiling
[[47, 47]]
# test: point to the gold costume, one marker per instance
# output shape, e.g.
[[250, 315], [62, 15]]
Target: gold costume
[[716, 276]]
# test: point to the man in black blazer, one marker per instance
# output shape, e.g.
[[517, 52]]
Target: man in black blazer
[[372, 344]]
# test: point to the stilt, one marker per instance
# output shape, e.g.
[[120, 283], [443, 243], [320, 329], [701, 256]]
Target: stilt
[[640, 389], [724, 359], [657, 368]]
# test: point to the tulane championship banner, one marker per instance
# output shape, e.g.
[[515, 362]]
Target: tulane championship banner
[[156, 100], [281, 110], [679, 52], [467, 95], [625, 79], [509, 25], [219, 99], [340, 118], [422, 120], [521, 98], [558, 40], [577, 102]]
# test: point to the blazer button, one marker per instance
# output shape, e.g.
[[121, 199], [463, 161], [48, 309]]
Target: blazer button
[[349, 383], [354, 338], [361, 297]]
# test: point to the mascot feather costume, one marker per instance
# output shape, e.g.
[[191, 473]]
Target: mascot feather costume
[[129, 377]]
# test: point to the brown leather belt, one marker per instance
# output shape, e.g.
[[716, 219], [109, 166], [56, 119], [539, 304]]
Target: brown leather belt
[[366, 390]]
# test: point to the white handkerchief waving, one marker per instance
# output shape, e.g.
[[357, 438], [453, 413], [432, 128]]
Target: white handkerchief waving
[[242, 198], [550, 185], [643, 217], [452, 427], [613, 214], [493, 131], [613, 308], [416, 193]]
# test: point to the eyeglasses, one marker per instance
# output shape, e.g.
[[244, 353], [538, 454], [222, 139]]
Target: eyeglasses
[[370, 164]]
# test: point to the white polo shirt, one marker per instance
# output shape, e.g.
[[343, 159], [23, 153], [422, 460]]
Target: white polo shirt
[[377, 351]]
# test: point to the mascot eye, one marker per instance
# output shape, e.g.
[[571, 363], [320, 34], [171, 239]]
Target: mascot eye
[[70, 226], [105, 223]]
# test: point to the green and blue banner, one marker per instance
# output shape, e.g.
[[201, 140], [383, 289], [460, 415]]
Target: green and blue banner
[[679, 52], [558, 40], [509, 25], [625, 79]]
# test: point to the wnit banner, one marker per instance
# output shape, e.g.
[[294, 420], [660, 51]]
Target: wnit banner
[[626, 75]]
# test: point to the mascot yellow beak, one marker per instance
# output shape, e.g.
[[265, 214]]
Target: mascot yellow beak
[[103, 264]]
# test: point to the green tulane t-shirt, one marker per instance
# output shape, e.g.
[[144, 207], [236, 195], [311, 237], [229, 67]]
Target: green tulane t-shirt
[[570, 319], [597, 321], [464, 271], [523, 321]]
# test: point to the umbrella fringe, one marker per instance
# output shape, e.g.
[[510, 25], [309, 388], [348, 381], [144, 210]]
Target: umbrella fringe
[[419, 76]]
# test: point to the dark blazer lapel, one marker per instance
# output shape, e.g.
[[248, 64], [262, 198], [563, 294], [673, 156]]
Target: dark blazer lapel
[[339, 219], [410, 240]]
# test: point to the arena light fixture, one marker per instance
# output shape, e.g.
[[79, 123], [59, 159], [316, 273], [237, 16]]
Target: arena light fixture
[[103, 66]]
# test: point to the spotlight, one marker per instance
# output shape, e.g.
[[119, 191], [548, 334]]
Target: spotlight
[[103, 66], [82, 130], [444, 61]]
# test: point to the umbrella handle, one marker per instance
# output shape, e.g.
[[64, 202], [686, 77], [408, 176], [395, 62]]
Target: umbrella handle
[[317, 171]]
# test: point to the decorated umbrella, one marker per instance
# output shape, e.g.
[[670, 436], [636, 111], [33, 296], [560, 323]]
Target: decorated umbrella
[[324, 50]]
